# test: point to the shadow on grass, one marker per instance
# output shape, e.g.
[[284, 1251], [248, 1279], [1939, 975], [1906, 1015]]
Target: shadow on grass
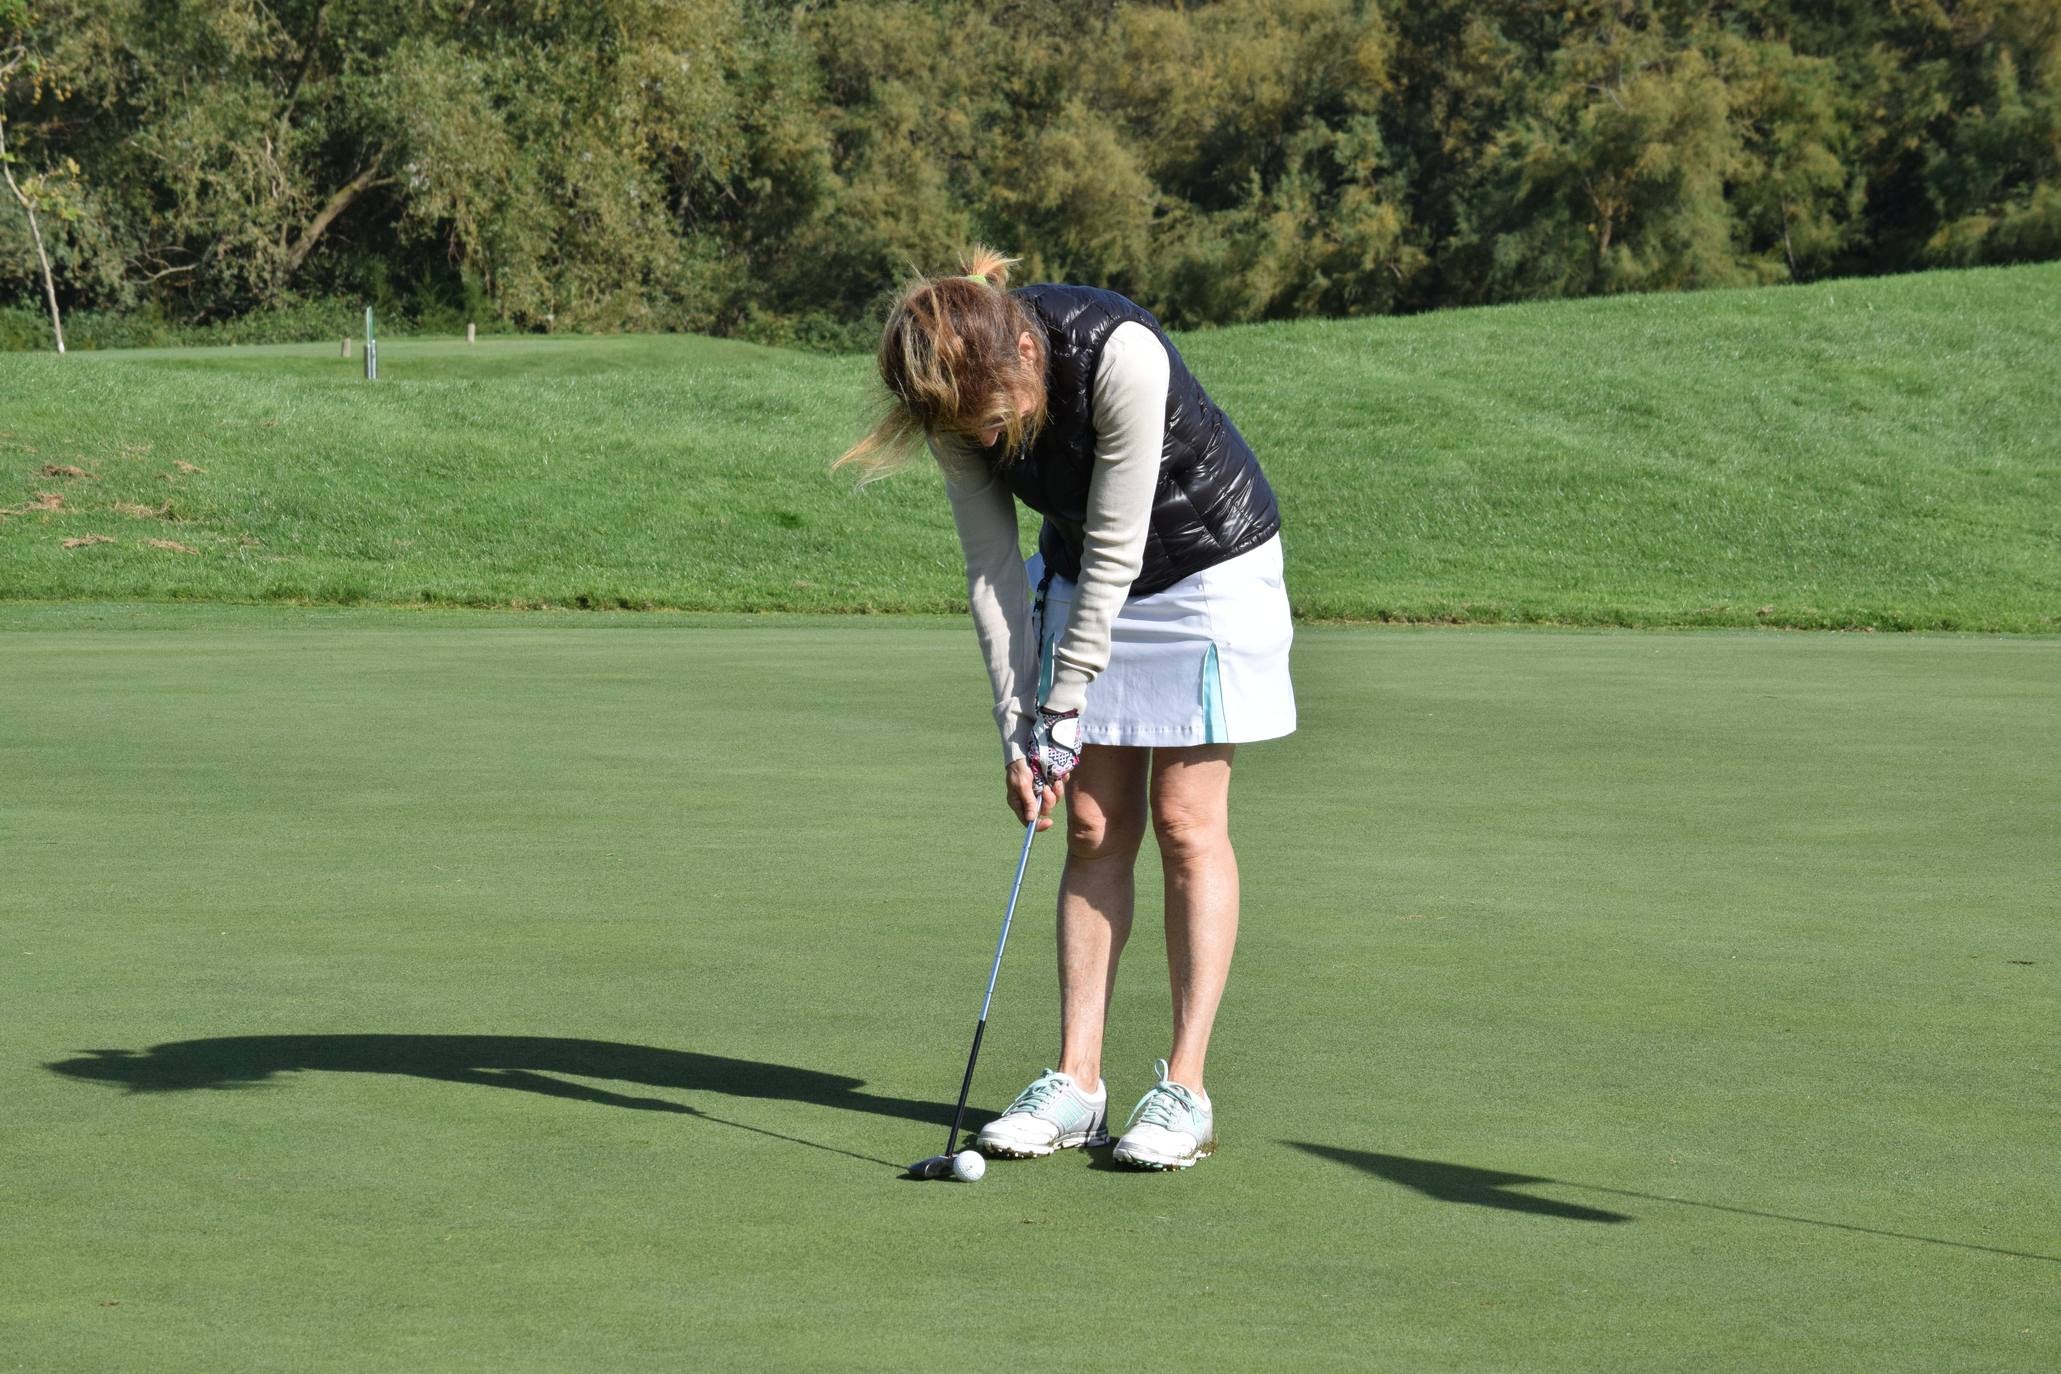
[[544, 1065], [1459, 1183], [1489, 1188]]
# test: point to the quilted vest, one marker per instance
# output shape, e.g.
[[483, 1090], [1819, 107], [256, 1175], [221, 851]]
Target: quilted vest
[[1212, 503]]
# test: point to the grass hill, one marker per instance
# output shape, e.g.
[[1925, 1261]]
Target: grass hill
[[1855, 453]]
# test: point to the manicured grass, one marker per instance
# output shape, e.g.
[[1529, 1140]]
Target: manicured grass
[[393, 992], [1856, 453]]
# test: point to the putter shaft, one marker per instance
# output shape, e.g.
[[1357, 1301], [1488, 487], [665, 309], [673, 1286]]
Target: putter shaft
[[1030, 833]]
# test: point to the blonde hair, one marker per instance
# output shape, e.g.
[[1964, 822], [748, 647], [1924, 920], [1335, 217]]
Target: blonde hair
[[948, 358]]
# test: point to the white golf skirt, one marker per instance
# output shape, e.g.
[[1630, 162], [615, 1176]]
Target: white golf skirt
[[1203, 662]]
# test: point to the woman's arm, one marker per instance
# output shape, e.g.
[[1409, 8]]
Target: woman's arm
[[1130, 434], [997, 591]]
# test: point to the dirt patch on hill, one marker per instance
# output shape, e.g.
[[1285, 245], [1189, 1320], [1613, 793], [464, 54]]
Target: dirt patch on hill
[[44, 502]]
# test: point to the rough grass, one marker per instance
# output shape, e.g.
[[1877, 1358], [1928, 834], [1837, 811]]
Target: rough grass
[[1860, 453]]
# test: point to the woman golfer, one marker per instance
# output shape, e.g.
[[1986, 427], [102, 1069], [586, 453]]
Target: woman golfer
[[1157, 640]]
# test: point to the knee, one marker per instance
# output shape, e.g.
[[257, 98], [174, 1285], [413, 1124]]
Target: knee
[[1187, 834], [1098, 835]]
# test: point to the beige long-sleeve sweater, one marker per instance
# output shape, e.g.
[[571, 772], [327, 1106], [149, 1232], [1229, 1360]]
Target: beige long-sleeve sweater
[[1130, 424]]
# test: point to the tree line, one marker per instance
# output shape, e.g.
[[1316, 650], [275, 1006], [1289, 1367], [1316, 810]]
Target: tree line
[[769, 170]]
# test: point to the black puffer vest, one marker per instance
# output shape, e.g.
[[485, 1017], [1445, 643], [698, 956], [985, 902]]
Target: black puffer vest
[[1212, 504]]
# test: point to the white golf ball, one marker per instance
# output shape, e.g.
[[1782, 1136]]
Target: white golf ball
[[967, 1166]]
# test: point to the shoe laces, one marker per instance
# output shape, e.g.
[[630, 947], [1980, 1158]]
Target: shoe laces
[[1040, 1093], [1168, 1105]]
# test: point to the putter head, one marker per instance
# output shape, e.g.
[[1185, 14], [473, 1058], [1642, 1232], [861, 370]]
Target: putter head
[[937, 1166]]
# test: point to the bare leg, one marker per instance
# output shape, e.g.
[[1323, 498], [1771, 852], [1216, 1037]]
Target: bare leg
[[1191, 794], [1105, 824]]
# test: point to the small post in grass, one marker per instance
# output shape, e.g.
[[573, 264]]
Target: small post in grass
[[471, 332], [371, 349]]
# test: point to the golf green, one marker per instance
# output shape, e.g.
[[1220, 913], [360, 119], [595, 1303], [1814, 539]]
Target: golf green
[[420, 991]]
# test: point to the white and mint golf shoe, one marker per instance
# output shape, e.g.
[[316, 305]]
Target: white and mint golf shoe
[[1051, 1114], [1170, 1127]]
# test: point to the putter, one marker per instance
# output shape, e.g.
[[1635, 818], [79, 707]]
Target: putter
[[940, 1166]]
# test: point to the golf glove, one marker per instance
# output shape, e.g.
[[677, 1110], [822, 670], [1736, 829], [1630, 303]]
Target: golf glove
[[1055, 746]]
